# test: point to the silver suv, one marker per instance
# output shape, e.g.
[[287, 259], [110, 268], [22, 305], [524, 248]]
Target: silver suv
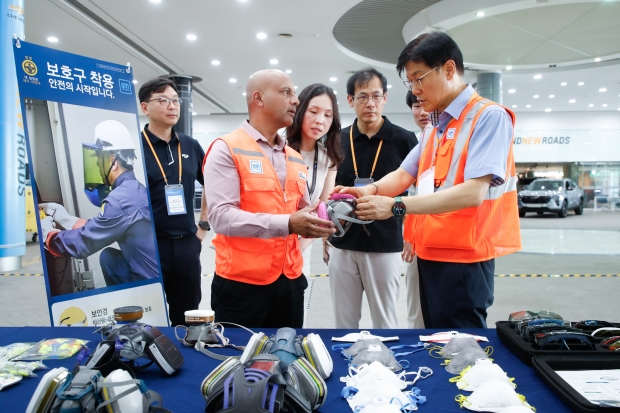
[[551, 195]]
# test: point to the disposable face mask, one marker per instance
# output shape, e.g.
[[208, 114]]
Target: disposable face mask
[[492, 396], [517, 409], [484, 370], [467, 357], [446, 336], [353, 337], [381, 405], [364, 397], [457, 344], [372, 374], [362, 345], [377, 352]]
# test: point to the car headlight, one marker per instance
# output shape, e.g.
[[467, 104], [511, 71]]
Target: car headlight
[[556, 199]]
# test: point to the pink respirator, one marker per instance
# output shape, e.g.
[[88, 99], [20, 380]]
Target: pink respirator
[[339, 208]]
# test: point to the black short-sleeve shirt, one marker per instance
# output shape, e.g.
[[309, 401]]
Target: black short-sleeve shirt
[[385, 236], [168, 154]]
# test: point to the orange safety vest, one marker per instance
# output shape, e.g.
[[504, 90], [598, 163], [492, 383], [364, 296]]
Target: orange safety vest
[[261, 261], [472, 234]]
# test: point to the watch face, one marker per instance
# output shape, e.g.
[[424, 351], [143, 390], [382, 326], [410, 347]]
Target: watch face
[[399, 209]]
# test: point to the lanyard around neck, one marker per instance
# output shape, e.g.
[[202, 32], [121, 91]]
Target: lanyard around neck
[[314, 171], [374, 164], [157, 158]]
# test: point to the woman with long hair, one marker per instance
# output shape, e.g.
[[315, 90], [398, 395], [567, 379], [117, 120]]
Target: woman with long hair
[[315, 134]]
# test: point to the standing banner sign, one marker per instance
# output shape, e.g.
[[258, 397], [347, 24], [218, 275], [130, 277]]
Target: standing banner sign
[[87, 171]]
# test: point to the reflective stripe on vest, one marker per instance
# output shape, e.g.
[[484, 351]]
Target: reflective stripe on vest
[[472, 234], [261, 261]]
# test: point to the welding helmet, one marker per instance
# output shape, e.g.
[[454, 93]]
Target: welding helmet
[[112, 138]]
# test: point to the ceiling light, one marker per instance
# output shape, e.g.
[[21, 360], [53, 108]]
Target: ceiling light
[[335, 92], [512, 91], [563, 84], [604, 105], [135, 82], [572, 101], [598, 59], [618, 108], [295, 87], [215, 62], [602, 89], [155, 1], [535, 96], [551, 96], [333, 79], [548, 110], [274, 61], [289, 71], [232, 80], [480, 14], [528, 106], [261, 35], [191, 37], [52, 39], [514, 106], [580, 84], [194, 113], [537, 77], [508, 67], [244, 94], [389, 86], [591, 105]]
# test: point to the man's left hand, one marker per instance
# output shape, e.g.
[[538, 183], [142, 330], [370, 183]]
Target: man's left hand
[[201, 233], [374, 207]]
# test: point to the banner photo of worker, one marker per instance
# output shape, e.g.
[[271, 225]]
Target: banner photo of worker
[[94, 218]]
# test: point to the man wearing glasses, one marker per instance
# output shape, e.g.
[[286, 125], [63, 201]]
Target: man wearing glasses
[[173, 162], [465, 205], [368, 258]]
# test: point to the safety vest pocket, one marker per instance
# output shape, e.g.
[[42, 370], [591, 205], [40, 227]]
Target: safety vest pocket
[[452, 230], [259, 184]]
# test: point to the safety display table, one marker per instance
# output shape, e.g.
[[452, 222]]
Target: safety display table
[[181, 392]]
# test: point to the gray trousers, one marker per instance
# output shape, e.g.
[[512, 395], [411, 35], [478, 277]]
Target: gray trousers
[[351, 273], [414, 310]]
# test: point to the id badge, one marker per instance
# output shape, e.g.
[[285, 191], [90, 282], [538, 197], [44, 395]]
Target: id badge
[[426, 183], [362, 182], [175, 199]]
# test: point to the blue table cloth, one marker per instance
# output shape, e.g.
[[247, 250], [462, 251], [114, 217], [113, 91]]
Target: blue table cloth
[[181, 392]]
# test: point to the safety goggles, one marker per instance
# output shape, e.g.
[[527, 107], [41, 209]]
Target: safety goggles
[[517, 318], [531, 330], [606, 332], [522, 325], [592, 324], [563, 340], [612, 344]]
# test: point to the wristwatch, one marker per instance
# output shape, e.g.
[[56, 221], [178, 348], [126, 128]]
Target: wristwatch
[[204, 225], [398, 209]]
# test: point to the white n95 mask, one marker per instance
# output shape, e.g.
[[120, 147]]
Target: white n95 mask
[[369, 375], [517, 409], [484, 370], [353, 337], [363, 398], [492, 396]]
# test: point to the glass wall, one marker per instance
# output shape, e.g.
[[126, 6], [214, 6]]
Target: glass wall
[[598, 180]]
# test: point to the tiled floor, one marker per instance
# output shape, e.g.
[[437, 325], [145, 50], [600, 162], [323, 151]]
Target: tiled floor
[[551, 246]]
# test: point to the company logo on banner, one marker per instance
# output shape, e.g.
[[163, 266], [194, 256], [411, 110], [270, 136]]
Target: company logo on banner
[[94, 218], [567, 146]]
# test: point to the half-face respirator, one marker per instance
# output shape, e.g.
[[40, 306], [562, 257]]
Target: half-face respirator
[[340, 209]]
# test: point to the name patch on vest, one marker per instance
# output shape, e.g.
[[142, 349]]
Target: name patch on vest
[[302, 175], [256, 167], [450, 134]]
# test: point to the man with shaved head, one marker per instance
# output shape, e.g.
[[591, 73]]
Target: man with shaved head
[[258, 205]]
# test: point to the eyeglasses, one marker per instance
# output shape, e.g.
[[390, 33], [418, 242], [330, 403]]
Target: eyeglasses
[[410, 83], [364, 98], [606, 332], [166, 102]]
